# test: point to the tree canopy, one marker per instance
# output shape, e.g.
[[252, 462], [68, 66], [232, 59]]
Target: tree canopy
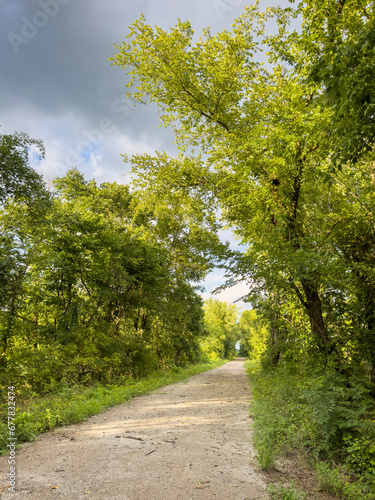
[[18, 180], [256, 117]]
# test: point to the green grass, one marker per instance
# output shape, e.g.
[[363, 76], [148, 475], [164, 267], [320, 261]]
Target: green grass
[[36, 415], [280, 492], [318, 412]]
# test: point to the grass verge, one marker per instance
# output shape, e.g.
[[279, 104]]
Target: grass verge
[[316, 428], [35, 414]]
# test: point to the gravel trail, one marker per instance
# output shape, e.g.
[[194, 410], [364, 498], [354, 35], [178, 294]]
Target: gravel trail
[[186, 441]]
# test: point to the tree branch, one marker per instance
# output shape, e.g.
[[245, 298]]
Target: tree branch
[[203, 113], [298, 293]]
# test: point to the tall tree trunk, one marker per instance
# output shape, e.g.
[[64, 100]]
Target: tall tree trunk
[[313, 308], [369, 298], [311, 299]]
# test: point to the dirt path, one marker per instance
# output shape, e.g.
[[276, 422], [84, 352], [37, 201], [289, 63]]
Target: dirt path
[[189, 440]]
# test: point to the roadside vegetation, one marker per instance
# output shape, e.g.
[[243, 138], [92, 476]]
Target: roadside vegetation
[[318, 417], [97, 304]]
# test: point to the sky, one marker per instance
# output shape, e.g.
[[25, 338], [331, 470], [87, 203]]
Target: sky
[[57, 85]]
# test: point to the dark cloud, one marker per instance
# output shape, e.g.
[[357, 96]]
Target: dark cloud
[[64, 65], [54, 57], [58, 85]]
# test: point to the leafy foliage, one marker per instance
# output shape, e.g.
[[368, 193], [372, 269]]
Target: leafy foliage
[[17, 178], [253, 335], [98, 283], [221, 325], [267, 161], [97, 291], [320, 413]]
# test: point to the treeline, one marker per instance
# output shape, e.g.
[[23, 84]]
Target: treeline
[[94, 285]]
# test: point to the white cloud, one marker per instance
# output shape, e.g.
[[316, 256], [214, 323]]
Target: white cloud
[[231, 295]]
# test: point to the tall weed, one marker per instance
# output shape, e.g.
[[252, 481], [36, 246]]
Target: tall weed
[[322, 413]]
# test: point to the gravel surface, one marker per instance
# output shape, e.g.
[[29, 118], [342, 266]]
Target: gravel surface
[[190, 440]]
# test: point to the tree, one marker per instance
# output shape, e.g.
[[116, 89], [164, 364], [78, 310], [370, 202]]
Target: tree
[[260, 130], [18, 180], [100, 295], [336, 45], [257, 148], [220, 320], [253, 334], [178, 211], [24, 202]]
